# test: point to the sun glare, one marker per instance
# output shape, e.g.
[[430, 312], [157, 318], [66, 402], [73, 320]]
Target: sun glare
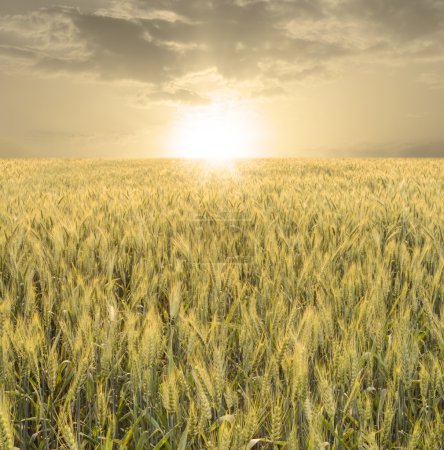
[[214, 132]]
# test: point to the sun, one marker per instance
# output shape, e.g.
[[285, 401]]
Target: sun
[[214, 132]]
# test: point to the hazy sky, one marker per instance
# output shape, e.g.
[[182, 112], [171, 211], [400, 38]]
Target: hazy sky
[[136, 78]]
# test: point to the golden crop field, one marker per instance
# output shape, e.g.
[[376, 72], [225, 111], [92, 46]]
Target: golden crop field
[[275, 304]]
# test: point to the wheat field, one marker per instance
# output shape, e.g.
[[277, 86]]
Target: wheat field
[[276, 304]]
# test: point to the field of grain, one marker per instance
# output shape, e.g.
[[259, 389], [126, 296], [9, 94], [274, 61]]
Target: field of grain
[[268, 305]]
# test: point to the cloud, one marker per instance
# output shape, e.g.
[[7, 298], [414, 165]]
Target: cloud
[[404, 19], [15, 7], [432, 79], [46, 33], [16, 52], [275, 91], [159, 41], [182, 96]]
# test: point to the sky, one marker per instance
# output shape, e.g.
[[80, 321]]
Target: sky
[[204, 78]]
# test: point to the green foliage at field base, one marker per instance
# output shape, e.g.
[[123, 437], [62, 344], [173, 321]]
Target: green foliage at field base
[[274, 305]]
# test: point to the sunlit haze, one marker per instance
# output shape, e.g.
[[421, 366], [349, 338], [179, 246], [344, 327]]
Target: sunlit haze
[[215, 131]]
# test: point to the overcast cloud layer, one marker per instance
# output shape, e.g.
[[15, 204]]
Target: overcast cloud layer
[[170, 53]]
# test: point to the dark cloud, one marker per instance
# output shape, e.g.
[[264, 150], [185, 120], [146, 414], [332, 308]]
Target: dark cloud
[[406, 19], [158, 41], [20, 7], [120, 49], [12, 7], [235, 38]]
